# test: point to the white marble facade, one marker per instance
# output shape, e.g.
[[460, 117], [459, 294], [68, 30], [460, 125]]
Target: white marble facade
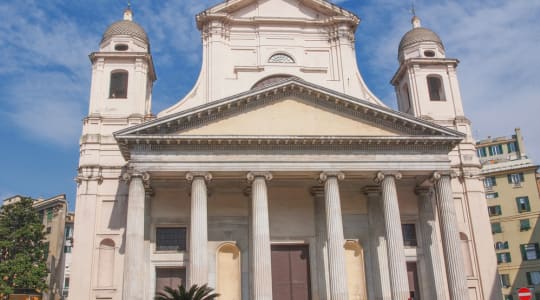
[[281, 143]]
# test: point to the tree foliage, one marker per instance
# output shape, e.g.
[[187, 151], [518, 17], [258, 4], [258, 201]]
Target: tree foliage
[[22, 250], [194, 293]]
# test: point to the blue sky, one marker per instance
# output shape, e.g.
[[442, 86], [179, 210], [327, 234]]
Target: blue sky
[[45, 71]]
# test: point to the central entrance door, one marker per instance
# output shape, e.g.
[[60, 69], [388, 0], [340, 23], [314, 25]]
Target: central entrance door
[[290, 272]]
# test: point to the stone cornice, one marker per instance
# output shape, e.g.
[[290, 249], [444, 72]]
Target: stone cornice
[[295, 144], [421, 61]]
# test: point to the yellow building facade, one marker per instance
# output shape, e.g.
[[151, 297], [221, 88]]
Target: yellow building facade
[[514, 208]]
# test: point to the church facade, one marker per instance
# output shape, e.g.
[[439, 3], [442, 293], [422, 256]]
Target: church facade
[[280, 175]]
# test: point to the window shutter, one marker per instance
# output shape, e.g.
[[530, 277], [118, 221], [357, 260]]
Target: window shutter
[[509, 178], [523, 252], [506, 245], [529, 279], [537, 250], [527, 204], [498, 209], [500, 148], [518, 204], [490, 148], [494, 181], [521, 177], [499, 259]]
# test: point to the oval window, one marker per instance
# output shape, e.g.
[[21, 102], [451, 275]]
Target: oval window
[[121, 47], [429, 53]]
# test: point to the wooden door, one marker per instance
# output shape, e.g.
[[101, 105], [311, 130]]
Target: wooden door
[[290, 272]]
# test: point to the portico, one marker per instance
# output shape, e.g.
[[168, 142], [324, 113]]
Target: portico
[[307, 189]]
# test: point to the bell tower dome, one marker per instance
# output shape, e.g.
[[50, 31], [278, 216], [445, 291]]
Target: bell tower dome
[[122, 71], [426, 82]]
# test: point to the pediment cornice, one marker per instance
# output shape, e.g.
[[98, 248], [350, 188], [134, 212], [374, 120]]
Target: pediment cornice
[[413, 132]]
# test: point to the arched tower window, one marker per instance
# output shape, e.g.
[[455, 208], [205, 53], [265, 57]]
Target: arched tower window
[[281, 58], [406, 96], [106, 263], [435, 87], [119, 84]]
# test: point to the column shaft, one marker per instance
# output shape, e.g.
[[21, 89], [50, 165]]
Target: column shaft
[[335, 239], [430, 246], [455, 269], [134, 253], [260, 241], [320, 241], [378, 249], [198, 246], [394, 239]]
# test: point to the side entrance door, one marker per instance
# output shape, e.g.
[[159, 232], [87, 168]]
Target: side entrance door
[[290, 272]]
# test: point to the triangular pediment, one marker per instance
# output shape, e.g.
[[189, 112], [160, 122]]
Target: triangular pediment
[[290, 107], [289, 116], [291, 111]]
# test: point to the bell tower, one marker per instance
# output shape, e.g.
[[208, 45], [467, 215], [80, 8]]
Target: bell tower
[[120, 96], [426, 82]]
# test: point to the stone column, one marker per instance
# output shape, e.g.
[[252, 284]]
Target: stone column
[[335, 239], [134, 251], [198, 230], [394, 236], [320, 240], [455, 269], [430, 246], [261, 264], [378, 249]]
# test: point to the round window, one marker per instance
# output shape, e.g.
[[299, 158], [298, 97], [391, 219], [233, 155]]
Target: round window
[[121, 47]]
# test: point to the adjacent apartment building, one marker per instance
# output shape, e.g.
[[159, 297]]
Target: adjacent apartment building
[[68, 245], [53, 214], [513, 201]]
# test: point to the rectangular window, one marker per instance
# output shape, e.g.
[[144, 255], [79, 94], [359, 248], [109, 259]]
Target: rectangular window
[[409, 235], [171, 239], [501, 245], [492, 195], [67, 249], [481, 152], [533, 278], [505, 280], [172, 277], [490, 182], [524, 225], [503, 257], [119, 84], [516, 179], [496, 228], [512, 147], [66, 283], [495, 150], [530, 251], [494, 210], [523, 204], [49, 214]]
